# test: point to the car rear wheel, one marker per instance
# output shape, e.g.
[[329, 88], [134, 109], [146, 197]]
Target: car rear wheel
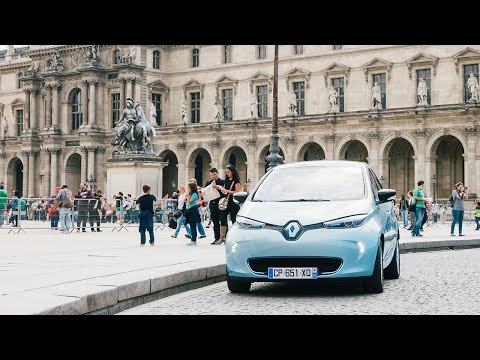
[[237, 286], [392, 271], [374, 284]]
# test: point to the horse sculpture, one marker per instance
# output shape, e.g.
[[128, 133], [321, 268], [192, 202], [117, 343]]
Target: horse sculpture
[[135, 132]]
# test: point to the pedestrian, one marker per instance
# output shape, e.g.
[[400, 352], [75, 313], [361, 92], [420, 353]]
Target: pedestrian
[[191, 211], [65, 202], [232, 185], [3, 202], [145, 215], [94, 207], [216, 181], [419, 197], [201, 230], [404, 211], [411, 209], [435, 209], [477, 213], [82, 198], [14, 204], [443, 213], [181, 220], [119, 207], [459, 195]]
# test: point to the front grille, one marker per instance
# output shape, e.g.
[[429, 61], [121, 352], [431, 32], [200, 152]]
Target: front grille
[[324, 265]]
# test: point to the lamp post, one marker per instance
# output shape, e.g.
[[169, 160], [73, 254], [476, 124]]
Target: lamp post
[[382, 180], [91, 181], [434, 183], [274, 158]]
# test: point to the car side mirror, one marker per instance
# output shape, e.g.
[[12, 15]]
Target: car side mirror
[[240, 196], [385, 195]]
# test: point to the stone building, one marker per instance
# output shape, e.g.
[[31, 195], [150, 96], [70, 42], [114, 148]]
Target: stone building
[[58, 106]]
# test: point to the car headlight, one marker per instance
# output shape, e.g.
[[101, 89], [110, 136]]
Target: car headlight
[[346, 222], [248, 224]]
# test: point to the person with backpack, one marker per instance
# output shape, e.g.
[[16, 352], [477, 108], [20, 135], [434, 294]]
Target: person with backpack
[[477, 214], [459, 195], [65, 202], [404, 211]]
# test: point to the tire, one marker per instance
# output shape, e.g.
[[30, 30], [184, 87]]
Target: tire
[[392, 271], [374, 284], [237, 286]]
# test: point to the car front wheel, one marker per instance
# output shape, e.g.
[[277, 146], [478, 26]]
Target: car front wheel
[[392, 271], [374, 284], [237, 286]]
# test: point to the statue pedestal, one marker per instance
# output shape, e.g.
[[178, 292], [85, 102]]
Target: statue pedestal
[[128, 173]]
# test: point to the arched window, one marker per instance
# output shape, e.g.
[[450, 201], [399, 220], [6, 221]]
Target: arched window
[[116, 56], [195, 57], [156, 59], [76, 109]]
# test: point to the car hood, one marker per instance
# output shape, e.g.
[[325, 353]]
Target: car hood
[[279, 213]]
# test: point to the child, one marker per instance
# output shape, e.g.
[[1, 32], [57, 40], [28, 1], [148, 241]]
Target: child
[[477, 214], [54, 216]]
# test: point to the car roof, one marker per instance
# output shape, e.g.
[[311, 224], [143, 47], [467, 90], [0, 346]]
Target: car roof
[[327, 163]]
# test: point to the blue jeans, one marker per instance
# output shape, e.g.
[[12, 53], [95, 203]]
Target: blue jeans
[[146, 223], [201, 230], [419, 214], [1, 216], [404, 217], [180, 222], [477, 221], [457, 217], [65, 218]]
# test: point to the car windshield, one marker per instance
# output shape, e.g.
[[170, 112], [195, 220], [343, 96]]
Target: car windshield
[[312, 183]]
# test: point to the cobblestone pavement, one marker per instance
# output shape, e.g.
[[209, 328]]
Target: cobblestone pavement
[[439, 282]]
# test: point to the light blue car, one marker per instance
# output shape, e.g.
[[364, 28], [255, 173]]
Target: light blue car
[[315, 220]]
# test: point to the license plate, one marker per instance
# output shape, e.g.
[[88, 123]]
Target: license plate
[[292, 273]]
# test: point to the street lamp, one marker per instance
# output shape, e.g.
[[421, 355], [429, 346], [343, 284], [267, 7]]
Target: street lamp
[[382, 180], [91, 181], [434, 183], [274, 158]]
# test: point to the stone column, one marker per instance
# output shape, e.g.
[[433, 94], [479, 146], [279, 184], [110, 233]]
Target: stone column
[[100, 102], [84, 103], [330, 146], [251, 164], [33, 109], [26, 112], [83, 165], [48, 107], [91, 103], [53, 169], [26, 174], [31, 172], [55, 105], [420, 156], [470, 171], [129, 87], [289, 155], [2, 168], [122, 94], [48, 172], [98, 168], [373, 158], [91, 161], [182, 164], [137, 95]]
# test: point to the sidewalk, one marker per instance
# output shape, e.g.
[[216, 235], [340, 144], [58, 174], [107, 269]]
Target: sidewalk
[[46, 272]]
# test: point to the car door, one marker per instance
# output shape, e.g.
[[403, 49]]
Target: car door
[[387, 214]]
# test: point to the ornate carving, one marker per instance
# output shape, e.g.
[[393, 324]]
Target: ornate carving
[[330, 137], [101, 149], [182, 129], [252, 141], [83, 149], [55, 63], [420, 132], [3, 155], [56, 150], [92, 81], [374, 135], [91, 148], [471, 130], [398, 133], [182, 145], [34, 152], [215, 143], [25, 152], [290, 139]]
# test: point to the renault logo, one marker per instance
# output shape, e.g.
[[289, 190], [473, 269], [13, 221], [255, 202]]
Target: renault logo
[[292, 230]]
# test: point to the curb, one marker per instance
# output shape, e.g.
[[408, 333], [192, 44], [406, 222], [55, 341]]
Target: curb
[[115, 299]]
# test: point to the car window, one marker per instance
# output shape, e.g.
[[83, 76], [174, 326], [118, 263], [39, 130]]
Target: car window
[[312, 183], [376, 186]]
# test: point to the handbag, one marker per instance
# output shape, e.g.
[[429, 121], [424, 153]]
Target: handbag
[[177, 213], [223, 202]]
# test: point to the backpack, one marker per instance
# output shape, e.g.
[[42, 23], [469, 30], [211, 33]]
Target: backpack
[[451, 201], [68, 201]]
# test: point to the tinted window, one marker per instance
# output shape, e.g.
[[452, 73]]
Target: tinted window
[[312, 183]]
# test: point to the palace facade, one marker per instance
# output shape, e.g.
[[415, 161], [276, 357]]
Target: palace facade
[[59, 106]]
